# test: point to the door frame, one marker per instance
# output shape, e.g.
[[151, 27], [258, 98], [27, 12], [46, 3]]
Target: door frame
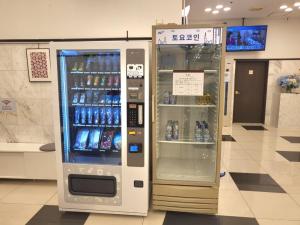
[[266, 76]]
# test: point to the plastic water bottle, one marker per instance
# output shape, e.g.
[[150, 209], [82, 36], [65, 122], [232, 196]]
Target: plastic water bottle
[[169, 130], [197, 131], [206, 135], [175, 130]]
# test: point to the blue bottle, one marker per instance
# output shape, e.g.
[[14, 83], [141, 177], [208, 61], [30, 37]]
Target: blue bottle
[[96, 115], [90, 115], [77, 115], [102, 115], [83, 115]]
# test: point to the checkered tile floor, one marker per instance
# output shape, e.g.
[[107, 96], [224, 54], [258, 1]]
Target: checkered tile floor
[[261, 186]]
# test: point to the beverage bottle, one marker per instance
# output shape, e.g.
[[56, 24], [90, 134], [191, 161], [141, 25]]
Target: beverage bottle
[[102, 115], [169, 130], [166, 97], [77, 115], [173, 99], [197, 131], [90, 115], [206, 135], [175, 130], [201, 132], [83, 115]]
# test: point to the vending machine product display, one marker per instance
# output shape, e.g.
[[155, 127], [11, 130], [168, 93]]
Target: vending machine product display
[[101, 108], [188, 63]]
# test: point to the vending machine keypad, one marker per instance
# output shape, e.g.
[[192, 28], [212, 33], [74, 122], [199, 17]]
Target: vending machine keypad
[[135, 65]]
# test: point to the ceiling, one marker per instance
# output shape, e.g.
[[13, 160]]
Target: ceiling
[[240, 9]]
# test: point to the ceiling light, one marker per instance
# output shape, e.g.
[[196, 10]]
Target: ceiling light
[[288, 10], [283, 7], [226, 9], [219, 6], [297, 4], [215, 12], [207, 9]]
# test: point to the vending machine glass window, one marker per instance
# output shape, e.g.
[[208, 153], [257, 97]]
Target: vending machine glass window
[[90, 106]]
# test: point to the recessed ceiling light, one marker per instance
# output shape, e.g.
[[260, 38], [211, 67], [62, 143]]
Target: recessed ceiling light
[[288, 10], [207, 9], [215, 12], [297, 4], [219, 6], [283, 7], [226, 9]]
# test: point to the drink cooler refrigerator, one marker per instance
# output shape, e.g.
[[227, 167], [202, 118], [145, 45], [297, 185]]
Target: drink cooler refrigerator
[[101, 126], [185, 169]]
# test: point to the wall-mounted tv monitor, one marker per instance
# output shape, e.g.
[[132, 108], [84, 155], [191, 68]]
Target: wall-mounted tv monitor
[[246, 38]]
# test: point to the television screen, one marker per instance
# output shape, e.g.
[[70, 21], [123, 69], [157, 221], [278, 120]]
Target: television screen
[[246, 38]]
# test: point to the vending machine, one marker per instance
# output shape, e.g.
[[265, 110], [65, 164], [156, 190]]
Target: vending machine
[[101, 110]]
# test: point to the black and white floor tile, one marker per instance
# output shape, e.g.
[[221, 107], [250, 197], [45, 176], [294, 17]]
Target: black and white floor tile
[[290, 156], [261, 187], [252, 127], [292, 139], [226, 137]]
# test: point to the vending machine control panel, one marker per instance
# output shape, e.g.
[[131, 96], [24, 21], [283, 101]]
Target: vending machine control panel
[[135, 70]]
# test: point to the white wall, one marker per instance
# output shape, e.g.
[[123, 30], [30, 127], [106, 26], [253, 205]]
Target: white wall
[[84, 18], [283, 42]]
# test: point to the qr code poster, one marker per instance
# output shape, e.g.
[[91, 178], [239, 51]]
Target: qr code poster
[[38, 61]]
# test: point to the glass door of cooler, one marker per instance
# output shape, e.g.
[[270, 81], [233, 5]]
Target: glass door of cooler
[[187, 125], [90, 106]]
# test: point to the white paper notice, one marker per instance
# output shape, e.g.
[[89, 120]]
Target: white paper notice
[[188, 83]]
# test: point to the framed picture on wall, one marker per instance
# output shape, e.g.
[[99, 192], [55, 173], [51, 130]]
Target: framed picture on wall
[[38, 60]]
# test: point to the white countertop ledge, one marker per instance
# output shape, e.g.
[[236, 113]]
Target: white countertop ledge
[[20, 147]]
